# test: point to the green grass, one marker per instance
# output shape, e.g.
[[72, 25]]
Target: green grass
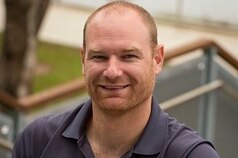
[[62, 65]]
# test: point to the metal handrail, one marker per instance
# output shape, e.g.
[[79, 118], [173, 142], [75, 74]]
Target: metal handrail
[[188, 48], [34, 100], [9, 100], [191, 94], [51, 94]]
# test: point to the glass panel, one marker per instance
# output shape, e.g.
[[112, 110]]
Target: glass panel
[[6, 132], [6, 126], [226, 128], [178, 79], [220, 111], [186, 113]]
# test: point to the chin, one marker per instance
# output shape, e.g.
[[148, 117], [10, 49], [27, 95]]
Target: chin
[[113, 104]]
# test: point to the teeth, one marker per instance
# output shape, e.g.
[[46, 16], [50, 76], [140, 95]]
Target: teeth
[[113, 87]]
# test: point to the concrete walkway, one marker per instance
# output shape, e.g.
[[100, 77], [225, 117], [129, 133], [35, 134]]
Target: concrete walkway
[[64, 25]]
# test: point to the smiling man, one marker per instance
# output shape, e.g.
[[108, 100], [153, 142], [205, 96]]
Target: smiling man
[[121, 59]]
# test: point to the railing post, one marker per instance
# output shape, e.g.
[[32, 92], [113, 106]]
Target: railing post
[[11, 123], [207, 106], [18, 122]]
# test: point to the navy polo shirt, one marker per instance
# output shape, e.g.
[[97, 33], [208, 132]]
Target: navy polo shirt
[[63, 136]]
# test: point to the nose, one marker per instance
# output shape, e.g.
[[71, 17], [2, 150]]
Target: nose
[[113, 70]]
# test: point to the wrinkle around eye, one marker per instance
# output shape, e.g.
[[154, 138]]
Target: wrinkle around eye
[[98, 58], [130, 57]]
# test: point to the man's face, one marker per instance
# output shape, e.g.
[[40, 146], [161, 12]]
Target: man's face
[[119, 64]]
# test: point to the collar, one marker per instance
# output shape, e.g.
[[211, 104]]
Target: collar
[[151, 141], [153, 137], [77, 127]]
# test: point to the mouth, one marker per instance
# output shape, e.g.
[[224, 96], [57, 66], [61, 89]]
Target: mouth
[[113, 87]]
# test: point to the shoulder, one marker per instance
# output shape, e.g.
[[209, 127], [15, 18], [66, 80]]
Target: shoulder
[[180, 135], [203, 150], [182, 141], [34, 138]]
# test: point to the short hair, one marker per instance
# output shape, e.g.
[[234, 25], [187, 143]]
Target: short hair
[[113, 6]]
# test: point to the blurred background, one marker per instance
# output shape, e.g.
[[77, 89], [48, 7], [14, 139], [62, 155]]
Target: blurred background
[[40, 64]]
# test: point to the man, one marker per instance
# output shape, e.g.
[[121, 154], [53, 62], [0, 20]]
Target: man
[[121, 59]]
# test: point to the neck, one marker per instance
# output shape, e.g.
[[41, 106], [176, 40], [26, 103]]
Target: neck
[[115, 133]]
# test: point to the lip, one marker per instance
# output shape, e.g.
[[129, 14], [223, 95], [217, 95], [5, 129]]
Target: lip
[[113, 87]]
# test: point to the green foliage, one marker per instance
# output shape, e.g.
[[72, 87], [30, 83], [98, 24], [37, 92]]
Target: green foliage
[[56, 65]]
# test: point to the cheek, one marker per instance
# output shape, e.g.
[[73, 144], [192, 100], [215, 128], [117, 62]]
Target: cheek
[[91, 71], [137, 72]]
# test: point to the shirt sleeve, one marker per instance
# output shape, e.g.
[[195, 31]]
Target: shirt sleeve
[[203, 150], [31, 141], [19, 149]]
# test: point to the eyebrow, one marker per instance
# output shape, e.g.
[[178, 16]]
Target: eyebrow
[[130, 49], [93, 51], [125, 50]]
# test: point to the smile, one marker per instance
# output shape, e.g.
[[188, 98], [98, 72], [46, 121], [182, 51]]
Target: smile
[[113, 87]]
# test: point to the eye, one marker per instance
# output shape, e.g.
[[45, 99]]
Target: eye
[[98, 57], [129, 56]]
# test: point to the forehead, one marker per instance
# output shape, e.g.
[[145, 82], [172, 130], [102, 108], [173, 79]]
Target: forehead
[[114, 11], [124, 23]]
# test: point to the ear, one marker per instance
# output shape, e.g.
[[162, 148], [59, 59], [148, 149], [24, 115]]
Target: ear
[[159, 57], [82, 53]]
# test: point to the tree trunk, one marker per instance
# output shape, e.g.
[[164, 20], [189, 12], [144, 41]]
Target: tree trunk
[[18, 57]]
